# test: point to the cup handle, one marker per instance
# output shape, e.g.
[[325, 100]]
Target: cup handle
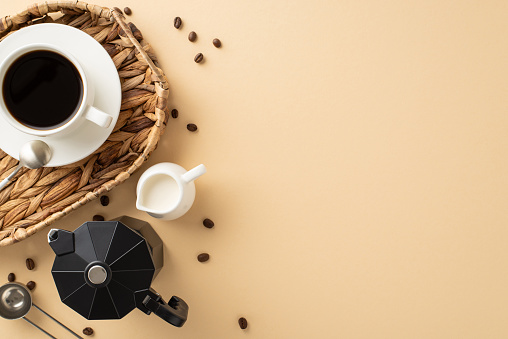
[[194, 173], [98, 117]]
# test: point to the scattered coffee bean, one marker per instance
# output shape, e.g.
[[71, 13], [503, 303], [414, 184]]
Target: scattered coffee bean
[[87, 331], [127, 11], [11, 277], [203, 257], [174, 113], [216, 42], [192, 36], [208, 223], [243, 323], [104, 200], [30, 264], [30, 285], [98, 218], [177, 22], [117, 9], [198, 58], [192, 127]]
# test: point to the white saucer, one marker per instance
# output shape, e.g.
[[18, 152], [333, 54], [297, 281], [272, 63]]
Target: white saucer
[[99, 69]]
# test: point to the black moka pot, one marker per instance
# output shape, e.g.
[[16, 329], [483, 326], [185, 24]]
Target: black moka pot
[[104, 269]]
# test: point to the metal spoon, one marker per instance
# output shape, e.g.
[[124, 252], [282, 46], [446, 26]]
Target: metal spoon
[[15, 303], [33, 154]]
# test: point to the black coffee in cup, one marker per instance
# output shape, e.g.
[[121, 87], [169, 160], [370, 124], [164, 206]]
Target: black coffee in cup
[[42, 90]]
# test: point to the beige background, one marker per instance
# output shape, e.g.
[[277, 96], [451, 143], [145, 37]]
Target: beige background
[[357, 172]]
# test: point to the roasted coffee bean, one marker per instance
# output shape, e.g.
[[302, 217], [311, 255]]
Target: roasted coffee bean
[[98, 218], [30, 264], [243, 323], [198, 58], [174, 113], [192, 127], [177, 22], [104, 200], [208, 223], [30, 285], [11, 277], [127, 11], [192, 36], [216, 42], [117, 9], [87, 331], [203, 257]]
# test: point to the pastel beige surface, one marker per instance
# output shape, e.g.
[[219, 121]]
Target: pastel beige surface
[[357, 173]]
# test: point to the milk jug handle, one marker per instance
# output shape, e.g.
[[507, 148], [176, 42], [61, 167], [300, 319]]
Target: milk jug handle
[[194, 173]]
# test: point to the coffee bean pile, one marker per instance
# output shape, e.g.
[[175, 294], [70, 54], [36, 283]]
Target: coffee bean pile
[[177, 23], [199, 59], [204, 257], [30, 265]]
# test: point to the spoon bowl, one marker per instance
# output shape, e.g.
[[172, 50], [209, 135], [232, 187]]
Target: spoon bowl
[[15, 301], [33, 154]]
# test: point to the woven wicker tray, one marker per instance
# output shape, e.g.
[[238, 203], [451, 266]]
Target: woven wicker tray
[[40, 197]]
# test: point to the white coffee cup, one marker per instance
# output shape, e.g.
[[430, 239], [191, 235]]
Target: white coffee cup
[[85, 111], [167, 190]]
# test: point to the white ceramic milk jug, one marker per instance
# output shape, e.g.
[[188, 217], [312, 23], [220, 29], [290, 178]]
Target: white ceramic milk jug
[[166, 190]]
